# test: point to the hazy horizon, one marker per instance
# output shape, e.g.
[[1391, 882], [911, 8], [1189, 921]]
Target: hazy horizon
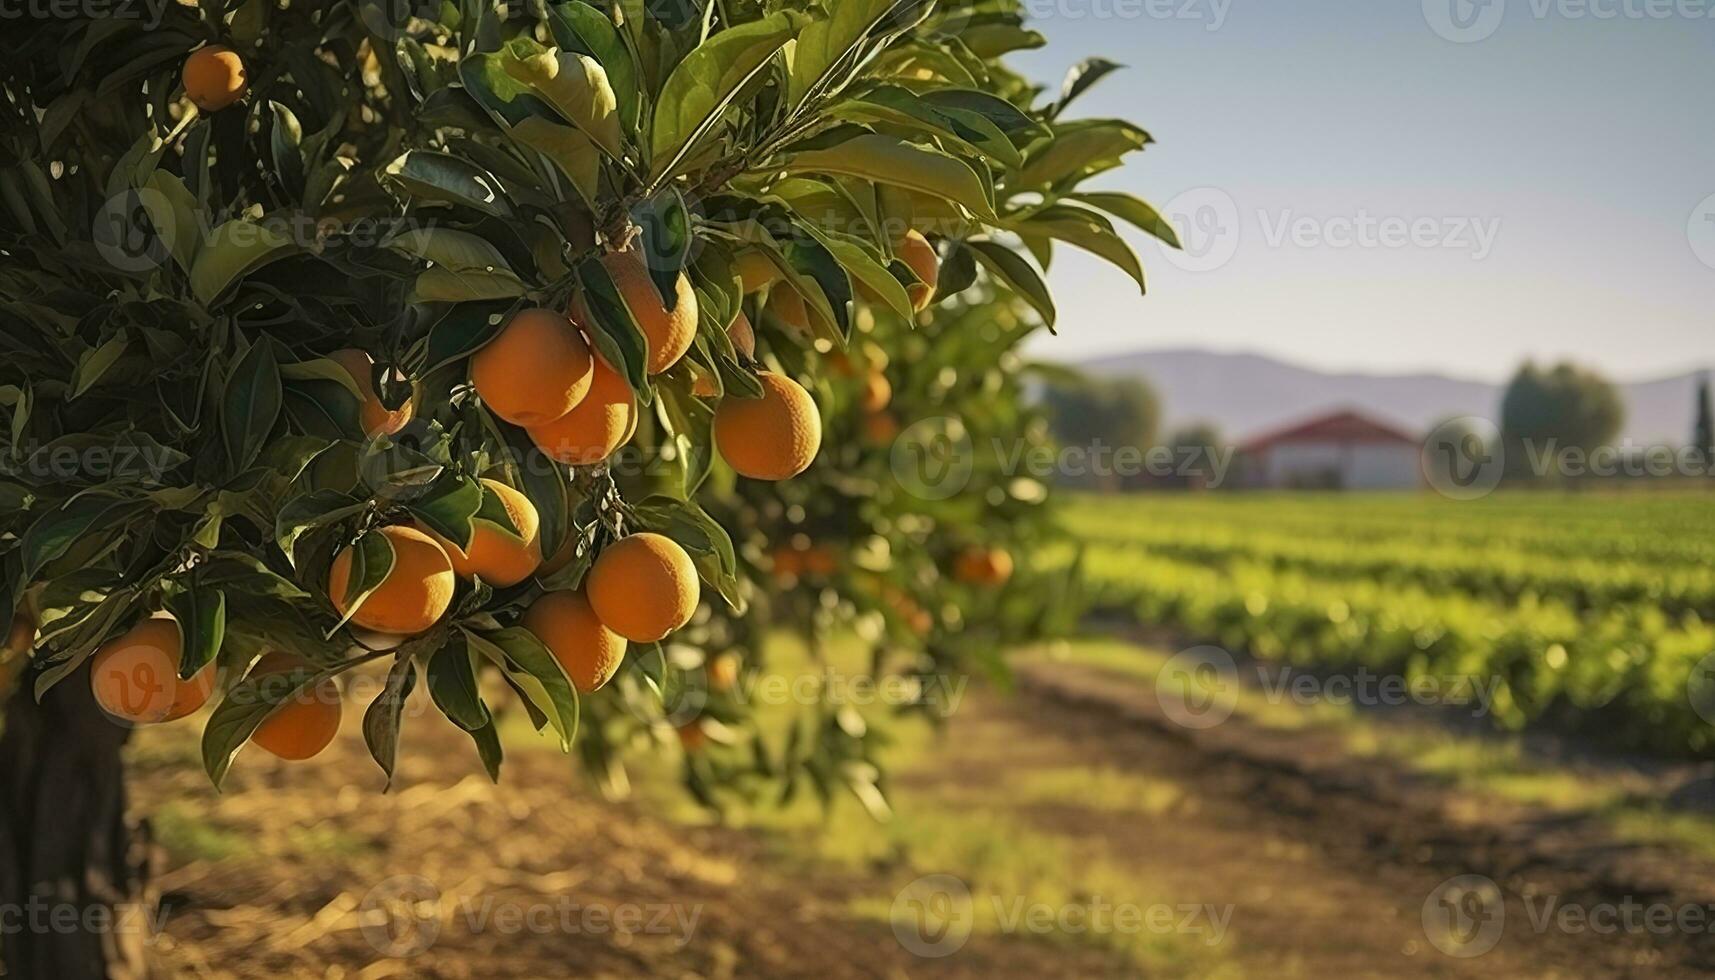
[[1535, 193], [1047, 352]]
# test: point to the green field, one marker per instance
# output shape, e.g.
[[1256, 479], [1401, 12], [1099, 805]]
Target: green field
[[1584, 612]]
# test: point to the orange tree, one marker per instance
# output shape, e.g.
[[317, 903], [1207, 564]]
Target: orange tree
[[489, 345]]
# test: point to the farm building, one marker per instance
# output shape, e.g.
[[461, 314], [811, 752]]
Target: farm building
[[1344, 450]]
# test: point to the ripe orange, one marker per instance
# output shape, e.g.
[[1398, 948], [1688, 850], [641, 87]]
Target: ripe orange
[[983, 566], [877, 392], [644, 587], [375, 417], [22, 636], [787, 562], [723, 672], [537, 369], [743, 336], [880, 428], [214, 77], [134, 676], [917, 253], [774, 437], [668, 331], [600, 424], [304, 724], [805, 559], [692, 736], [496, 555], [755, 270], [589, 652], [788, 307], [415, 594]]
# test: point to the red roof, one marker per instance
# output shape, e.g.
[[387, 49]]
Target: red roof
[[1344, 427]]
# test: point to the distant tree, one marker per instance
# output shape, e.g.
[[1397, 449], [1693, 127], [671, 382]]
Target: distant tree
[[1564, 407], [1094, 413], [1196, 451], [1703, 435]]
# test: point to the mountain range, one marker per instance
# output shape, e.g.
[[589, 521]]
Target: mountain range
[[1246, 394]]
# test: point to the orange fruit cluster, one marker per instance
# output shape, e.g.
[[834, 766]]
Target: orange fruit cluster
[[135, 676], [639, 589]]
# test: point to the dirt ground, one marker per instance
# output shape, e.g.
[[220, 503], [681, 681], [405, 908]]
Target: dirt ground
[[1321, 866]]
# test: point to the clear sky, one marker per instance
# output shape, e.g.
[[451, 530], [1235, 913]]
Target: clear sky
[[1549, 189]]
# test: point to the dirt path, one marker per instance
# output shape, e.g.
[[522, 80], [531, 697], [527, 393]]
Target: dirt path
[[1252, 853], [1330, 861], [297, 871]]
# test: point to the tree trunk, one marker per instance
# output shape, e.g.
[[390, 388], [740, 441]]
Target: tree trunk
[[75, 896]]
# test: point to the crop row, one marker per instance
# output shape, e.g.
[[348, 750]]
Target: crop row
[[1621, 675]]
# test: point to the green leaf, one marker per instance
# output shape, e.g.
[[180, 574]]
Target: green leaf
[[321, 369], [250, 405], [1083, 75], [1013, 272], [452, 685], [568, 150], [530, 666], [544, 483], [448, 507], [614, 332], [464, 329], [381, 722], [705, 83], [371, 561], [201, 613], [1011, 119], [319, 508], [1133, 210], [233, 251], [579, 27], [1077, 150], [444, 177], [53, 534], [575, 85], [176, 215], [902, 164], [830, 46], [94, 363], [246, 706], [1090, 232], [900, 107], [488, 748]]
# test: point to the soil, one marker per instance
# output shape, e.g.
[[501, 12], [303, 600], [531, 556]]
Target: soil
[[1327, 862]]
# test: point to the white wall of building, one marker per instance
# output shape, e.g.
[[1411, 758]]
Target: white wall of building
[[1365, 466]]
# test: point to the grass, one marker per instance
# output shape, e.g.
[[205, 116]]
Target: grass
[[1494, 766], [985, 835]]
